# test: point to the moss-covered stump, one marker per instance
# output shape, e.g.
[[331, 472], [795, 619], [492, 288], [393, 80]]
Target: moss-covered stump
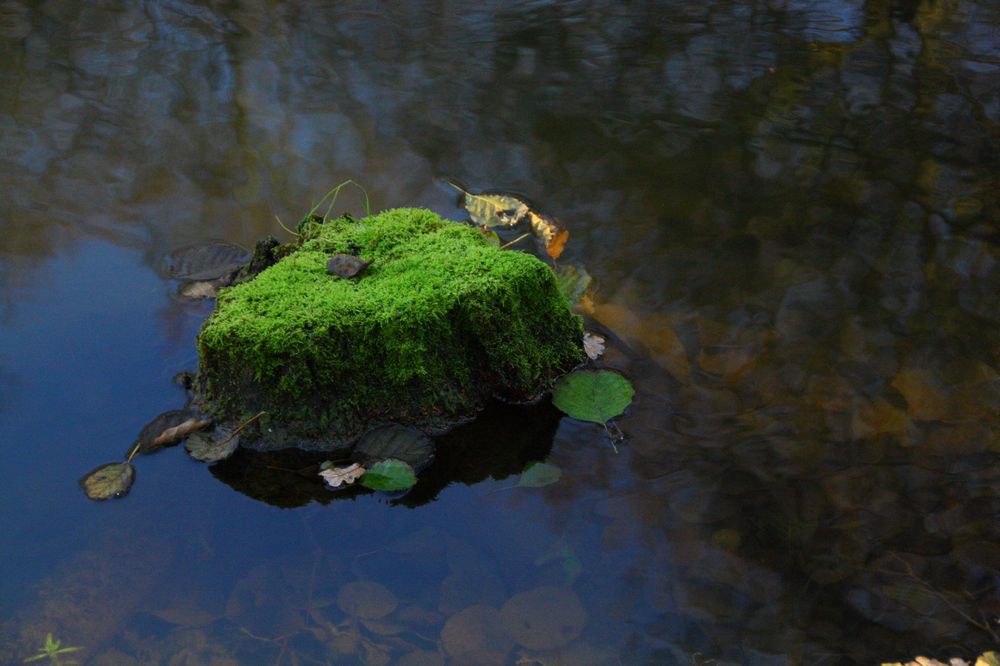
[[441, 321]]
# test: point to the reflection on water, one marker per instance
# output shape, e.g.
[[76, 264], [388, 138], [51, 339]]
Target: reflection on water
[[790, 209]]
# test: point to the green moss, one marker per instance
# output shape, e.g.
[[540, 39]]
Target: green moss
[[440, 321]]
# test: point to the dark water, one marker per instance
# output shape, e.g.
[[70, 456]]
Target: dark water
[[791, 212]]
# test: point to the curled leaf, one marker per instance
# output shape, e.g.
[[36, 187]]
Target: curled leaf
[[346, 265], [213, 446], [107, 481], [550, 232], [494, 210], [178, 432], [389, 475], [338, 476], [152, 430], [592, 395]]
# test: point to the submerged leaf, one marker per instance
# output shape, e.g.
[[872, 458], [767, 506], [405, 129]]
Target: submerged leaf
[[107, 481], [396, 442], [367, 600], [544, 618], [338, 476], [593, 345], [208, 261], [389, 475], [217, 445], [573, 282], [346, 265], [593, 395], [537, 475]]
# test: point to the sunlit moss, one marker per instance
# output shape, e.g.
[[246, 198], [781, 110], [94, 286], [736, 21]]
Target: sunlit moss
[[441, 320]]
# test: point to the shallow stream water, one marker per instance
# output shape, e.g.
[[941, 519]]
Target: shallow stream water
[[790, 209]]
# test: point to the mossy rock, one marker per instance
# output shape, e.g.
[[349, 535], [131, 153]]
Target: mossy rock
[[440, 322]]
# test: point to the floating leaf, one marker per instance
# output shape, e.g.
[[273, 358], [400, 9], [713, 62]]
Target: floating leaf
[[346, 265], [573, 282], [107, 481], [389, 475], [208, 261], [365, 599], [396, 442], [178, 432], [592, 395], [537, 474], [196, 291], [593, 345], [988, 659], [155, 428], [494, 210], [544, 618], [550, 232], [338, 476], [217, 445]]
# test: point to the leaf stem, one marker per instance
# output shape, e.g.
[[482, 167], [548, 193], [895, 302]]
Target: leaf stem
[[243, 425], [519, 238]]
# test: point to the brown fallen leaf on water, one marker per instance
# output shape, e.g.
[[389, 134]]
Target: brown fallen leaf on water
[[550, 232], [107, 481], [346, 265], [179, 432], [650, 330], [492, 210], [338, 476]]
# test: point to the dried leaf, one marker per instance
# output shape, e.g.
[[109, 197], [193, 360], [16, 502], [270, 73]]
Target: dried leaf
[[208, 261], [107, 481], [537, 475], [346, 265], [592, 395], [389, 475], [217, 445], [550, 232], [338, 476], [179, 432], [593, 345], [196, 291], [155, 428], [988, 659]]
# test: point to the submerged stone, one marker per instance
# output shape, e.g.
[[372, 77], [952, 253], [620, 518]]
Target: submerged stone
[[439, 322]]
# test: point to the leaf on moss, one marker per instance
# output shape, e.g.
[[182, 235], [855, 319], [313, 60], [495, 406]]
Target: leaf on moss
[[340, 476], [389, 475], [593, 345], [538, 474], [346, 265], [217, 445], [592, 395], [107, 481], [396, 442]]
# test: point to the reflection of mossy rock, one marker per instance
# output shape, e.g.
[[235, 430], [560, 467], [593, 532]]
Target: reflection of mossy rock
[[438, 323]]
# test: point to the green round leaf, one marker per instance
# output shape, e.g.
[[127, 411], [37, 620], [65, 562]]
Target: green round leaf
[[592, 395], [389, 475], [212, 446], [537, 475], [107, 481]]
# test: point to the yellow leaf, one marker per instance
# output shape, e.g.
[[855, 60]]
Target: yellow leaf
[[988, 659]]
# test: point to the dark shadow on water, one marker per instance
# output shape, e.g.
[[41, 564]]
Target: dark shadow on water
[[498, 444]]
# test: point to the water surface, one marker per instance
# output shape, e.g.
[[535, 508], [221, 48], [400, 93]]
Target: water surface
[[790, 211]]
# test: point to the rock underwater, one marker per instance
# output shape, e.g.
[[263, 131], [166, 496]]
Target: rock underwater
[[440, 322]]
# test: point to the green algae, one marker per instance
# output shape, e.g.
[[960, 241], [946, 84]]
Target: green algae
[[440, 322]]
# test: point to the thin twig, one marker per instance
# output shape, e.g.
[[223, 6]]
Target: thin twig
[[243, 425], [519, 238]]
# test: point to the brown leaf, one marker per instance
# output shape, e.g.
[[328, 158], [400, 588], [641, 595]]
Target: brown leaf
[[550, 232], [196, 291], [494, 210], [346, 265], [653, 331], [179, 432], [107, 481], [556, 246], [337, 476]]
